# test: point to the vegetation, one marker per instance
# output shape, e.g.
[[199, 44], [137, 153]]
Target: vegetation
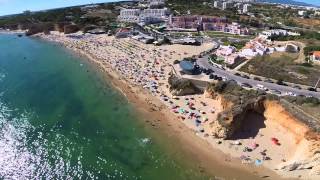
[[303, 35], [102, 15], [309, 49], [282, 66], [237, 44]]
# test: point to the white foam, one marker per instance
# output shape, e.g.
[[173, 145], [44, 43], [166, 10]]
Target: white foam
[[24, 158]]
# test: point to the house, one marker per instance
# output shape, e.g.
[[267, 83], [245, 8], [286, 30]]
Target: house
[[226, 50], [302, 13], [123, 33], [232, 59], [315, 56]]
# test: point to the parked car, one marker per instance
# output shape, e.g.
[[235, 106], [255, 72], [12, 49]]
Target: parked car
[[268, 80], [275, 91], [297, 87], [312, 89], [237, 74], [246, 76], [290, 94], [261, 87], [280, 82], [257, 78], [246, 85]]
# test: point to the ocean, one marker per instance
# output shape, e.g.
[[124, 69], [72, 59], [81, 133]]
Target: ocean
[[61, 119]]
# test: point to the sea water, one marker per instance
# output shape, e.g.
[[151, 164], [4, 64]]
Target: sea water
[[60, 119]]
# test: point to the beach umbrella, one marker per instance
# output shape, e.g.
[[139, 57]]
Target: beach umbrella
[[254, 145], [258, 162]]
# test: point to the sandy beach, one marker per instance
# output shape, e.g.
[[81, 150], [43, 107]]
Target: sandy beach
[[141, 71]]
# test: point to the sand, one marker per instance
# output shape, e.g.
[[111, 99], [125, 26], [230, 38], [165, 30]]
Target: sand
[[141, 71]]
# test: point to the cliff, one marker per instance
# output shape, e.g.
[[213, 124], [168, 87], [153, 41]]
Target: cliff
[[302, 128], [181, 87]]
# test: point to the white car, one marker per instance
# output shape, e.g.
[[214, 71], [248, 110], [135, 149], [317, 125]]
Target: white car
[[290, 94], [261, 87]]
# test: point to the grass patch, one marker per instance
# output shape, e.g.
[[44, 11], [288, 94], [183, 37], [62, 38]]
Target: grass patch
[[281, 66]]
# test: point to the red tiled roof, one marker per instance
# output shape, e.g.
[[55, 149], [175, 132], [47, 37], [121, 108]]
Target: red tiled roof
[[316, 53]]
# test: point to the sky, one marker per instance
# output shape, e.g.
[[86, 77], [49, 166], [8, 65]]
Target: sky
[[18, 6], [315, 2]]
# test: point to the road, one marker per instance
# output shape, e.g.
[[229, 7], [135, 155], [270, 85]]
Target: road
[[203, 62]]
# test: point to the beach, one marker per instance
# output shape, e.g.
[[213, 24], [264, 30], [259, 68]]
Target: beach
[[141, 72]]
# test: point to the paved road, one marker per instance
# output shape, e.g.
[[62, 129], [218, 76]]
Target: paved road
[[203, 62]]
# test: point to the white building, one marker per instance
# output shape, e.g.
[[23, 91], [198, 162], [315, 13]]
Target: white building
[[155, 12], [129, 15], [156, 3], [146, 16], [216, 4], [277, 32], [224, 5], [302, 13], [226, 50], [245, 8]]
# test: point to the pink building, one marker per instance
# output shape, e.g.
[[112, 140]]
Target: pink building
[[206, 23]]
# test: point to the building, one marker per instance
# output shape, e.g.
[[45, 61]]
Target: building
[[183, 22], [224, 5], [129, 15], [206, 23], [186, 41], [315, 56], [144, 38], [187, 67], [245, 8], [156, 3], [123, 33], [277, 32], [216, 4], [154, 14], [225, 50], [232, 59], [302, 13]]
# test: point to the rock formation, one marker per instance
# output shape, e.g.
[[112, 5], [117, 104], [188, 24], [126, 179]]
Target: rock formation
[[181, 87], [237, 103], [68, 29]]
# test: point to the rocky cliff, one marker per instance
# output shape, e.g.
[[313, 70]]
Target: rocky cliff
[[181, 87], [237, 103]]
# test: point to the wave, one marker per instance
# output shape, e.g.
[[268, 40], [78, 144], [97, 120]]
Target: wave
[[29, 157]]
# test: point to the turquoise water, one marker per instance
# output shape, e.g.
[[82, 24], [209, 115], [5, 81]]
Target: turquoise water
[[59, 119]]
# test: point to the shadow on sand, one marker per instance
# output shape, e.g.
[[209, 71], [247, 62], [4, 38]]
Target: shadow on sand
[[250, 126]]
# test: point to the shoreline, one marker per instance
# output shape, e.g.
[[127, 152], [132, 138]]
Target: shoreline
[[211, 157]]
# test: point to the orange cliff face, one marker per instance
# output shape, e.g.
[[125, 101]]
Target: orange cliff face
[[277, 113]]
